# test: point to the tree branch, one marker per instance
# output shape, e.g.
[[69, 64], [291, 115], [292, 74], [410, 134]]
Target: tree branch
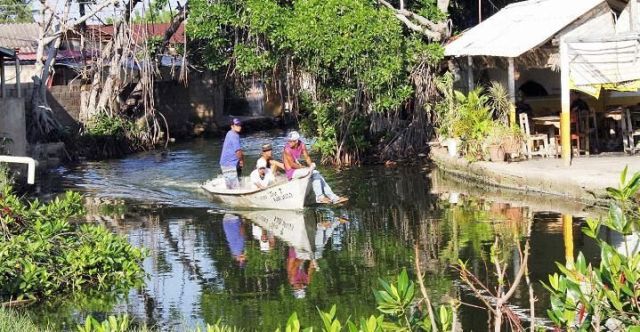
[[434, 31], [180, 16], [65, 27]]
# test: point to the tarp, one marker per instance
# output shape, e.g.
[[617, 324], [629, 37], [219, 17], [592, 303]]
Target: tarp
[[519, 27], [609, 60]]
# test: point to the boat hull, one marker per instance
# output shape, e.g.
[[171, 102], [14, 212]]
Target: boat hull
[[284, 195]]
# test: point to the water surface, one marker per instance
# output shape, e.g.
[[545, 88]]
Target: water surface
[[252, 270]]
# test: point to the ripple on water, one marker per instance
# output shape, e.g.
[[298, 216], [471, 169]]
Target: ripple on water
[[206, 264]]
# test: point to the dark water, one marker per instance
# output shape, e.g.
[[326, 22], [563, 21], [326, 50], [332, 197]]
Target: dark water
[[253, 270]]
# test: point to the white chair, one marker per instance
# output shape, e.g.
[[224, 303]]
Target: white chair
[[531, 139]]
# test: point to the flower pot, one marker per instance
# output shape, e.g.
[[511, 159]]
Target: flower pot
[[496, 153]]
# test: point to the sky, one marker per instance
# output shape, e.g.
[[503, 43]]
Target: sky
[[106, 13]]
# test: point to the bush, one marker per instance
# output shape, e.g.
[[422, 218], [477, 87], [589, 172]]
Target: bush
[[591, 297], [42, 252]]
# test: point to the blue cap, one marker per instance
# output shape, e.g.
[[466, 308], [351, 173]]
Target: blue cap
[[236, 122]]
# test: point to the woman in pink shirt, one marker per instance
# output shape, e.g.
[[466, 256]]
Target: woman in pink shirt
[[293, 151]]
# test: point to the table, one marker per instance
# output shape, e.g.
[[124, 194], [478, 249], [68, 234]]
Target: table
[[549, 120]]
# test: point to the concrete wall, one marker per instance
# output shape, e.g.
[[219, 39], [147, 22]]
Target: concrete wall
[[12, 125], [192, 109], [189, 110]]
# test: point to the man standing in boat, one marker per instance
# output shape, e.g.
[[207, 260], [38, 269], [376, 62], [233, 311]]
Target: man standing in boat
[[232, 158], [295, 149]]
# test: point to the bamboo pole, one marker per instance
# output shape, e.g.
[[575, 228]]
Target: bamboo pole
[[565, 117]]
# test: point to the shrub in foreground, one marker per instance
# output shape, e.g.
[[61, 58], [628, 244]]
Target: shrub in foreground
[[42, 252]]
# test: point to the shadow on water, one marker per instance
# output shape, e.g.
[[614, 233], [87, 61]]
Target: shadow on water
[[253, 269]]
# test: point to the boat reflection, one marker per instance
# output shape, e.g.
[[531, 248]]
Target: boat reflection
[[305, 234]]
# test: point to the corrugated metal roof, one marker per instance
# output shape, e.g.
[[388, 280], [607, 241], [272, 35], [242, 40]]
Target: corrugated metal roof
[[22, 36], [141, 32], [519, 27]]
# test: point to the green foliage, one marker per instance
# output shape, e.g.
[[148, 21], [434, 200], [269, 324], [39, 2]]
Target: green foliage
[[6, 178], [499, 102], [587, 297], [474, 122], [14, 321], [111, 324], [42, 252], [356, 51], [104, 124], [15, 11], [478, 119], [157, 12]]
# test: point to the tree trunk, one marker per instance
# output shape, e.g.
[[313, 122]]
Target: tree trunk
[[45, 126], [107, 92]]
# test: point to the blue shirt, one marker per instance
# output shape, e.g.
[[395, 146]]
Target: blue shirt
[[231, 225], [231, 144]]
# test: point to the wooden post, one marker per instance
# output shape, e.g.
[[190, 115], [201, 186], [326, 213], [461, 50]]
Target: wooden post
[[18, 86], [3, 91], [567, 236], [512, 92], [470, 73], [565, 116]]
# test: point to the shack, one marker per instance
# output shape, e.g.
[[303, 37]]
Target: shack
[[542, 49]]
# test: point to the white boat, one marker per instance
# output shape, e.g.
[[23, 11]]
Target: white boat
[[288, 226], [282, 195]]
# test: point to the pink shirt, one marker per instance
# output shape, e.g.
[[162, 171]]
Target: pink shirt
[[295, 154]]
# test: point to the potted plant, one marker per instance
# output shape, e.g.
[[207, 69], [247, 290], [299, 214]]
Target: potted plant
[[512, 141], [494, 143]]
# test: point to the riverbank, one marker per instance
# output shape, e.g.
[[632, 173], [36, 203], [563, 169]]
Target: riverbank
[[586, 180]]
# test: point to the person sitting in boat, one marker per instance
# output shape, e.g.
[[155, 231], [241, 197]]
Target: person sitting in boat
[[232, 158], [267, 155], [295, 149], [262, 176]]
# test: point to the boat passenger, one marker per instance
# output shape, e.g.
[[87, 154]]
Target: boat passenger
[[267, 155], [232, 158], [295, 149], [300, 269], [262, 176]]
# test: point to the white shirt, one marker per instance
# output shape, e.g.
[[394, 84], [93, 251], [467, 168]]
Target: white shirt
[[264, 182]]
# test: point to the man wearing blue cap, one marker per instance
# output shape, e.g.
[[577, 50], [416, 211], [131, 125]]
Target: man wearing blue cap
[[232, 158]]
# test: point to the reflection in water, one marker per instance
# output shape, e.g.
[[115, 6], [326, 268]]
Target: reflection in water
[[253, 269], [291, 228], [234, 232]]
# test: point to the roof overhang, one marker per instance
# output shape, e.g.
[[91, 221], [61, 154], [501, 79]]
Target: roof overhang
[[520, 27], [7, 53]]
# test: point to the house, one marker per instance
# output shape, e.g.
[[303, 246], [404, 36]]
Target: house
[[543, 48]]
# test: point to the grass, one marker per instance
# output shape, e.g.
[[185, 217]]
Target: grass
[[11, 320]]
